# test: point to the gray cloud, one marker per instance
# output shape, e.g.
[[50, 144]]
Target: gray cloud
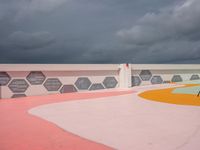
[[171, 35], [25, 8], [181, 21], [84, 31], [22, 40]]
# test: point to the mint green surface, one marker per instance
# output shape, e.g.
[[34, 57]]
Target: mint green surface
[[191, 82], [187, 90]]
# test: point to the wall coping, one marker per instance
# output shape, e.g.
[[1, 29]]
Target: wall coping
[[165, 66], [94, 67], [58, 67]]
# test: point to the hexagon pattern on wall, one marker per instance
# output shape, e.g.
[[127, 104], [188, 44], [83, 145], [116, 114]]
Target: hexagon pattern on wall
[[177, 78], [110, 82], [96, 86], [52, 84], [145, 75], [68, 89], [18, 85], [83, 83], [4, 78], [36, 77], [195, 77], [135, 80], [18, 95], [156, 80]]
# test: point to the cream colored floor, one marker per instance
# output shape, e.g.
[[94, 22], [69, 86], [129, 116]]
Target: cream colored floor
[[128, 122]]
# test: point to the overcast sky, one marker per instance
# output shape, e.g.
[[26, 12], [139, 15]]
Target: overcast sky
[[99, 31]]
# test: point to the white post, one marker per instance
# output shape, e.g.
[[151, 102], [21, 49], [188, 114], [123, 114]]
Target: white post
[[125, 76]]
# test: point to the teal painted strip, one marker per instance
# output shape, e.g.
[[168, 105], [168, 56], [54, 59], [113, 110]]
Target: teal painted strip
[[191, 82], [187, 90]]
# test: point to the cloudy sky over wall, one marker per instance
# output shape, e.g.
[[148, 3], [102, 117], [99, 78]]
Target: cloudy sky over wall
[[99, 31]]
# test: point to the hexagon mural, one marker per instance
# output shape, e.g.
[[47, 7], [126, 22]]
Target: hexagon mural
[[18, 95], [96, 86], [52, 84], [156, 80], [83, 83], [135, 80], [18, 85], [195, 77], [145, 75], [36, 77], [68, 89], [110, 82], [176, 78], [4, 78]]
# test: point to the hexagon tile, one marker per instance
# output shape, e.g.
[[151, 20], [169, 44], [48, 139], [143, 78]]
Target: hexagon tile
[[4, 78], [52, 84], [18, 85], [110, 82], [68, 89], [156, 80], [177, 78], [83, 83], [194, 77], [145, 75], [18, 95], [36, 77], [135, 80], [96, 86]]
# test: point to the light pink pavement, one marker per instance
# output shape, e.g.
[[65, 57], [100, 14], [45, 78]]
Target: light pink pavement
[[128, 122]]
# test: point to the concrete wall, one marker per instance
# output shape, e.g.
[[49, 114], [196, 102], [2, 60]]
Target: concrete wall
[[18, 80], [27, 80], [146, 74]]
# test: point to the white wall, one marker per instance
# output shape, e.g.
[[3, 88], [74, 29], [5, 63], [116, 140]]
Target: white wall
[[61, 78]]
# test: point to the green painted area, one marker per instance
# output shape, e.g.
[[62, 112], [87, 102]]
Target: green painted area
[[191, 82], [187, 90]]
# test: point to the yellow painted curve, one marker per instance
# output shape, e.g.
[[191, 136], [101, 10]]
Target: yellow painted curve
[[166, 96]]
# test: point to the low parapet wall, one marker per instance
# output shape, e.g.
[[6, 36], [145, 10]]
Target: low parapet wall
[[145, 74], [19, 80]]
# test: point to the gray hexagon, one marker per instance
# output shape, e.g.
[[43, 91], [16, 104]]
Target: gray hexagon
[[52, 84], [110, 82], [83, 83], [68, 89], [195, 77], [156, 80], [18, 95], [36, 77], [96, 86], [145, 75], [135, 80], [177, 78], [18, 85], [4, 78]]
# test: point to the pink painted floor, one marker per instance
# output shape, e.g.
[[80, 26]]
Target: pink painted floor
[[21, 131], [98, 120]]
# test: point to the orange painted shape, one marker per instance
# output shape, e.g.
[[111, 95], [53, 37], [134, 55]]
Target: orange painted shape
[[166, 96]]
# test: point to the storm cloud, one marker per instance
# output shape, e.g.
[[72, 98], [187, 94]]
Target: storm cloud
[[171, 35], [22, 40], [93, 31]]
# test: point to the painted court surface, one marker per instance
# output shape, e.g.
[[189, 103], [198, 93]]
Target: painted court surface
[[155, 117]]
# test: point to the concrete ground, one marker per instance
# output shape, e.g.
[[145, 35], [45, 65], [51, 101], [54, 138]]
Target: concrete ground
[[116, 119]]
